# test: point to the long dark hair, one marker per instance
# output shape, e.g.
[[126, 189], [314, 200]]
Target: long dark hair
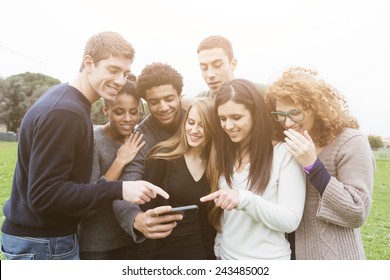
[[260, 147]]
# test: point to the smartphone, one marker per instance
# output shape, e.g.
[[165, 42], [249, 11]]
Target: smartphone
[[186, 211]]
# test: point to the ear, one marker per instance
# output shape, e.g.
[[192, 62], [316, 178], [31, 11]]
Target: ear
[[233, 64], [88, 63]]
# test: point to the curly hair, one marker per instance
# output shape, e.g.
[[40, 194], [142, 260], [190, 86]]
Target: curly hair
[[302, 87], [159, 74]]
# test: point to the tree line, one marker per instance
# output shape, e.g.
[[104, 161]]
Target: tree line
[[19, 92]]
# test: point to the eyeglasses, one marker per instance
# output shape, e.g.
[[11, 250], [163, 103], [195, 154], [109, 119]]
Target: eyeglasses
[[295, 115]]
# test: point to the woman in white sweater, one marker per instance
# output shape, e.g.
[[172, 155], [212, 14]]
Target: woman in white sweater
[[313, 120], [259, 189]]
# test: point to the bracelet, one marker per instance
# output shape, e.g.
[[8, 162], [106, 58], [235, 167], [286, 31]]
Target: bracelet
[[307, 169]]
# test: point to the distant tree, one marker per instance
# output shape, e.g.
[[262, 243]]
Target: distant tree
[[144, 110], [375, 142], [18, 93], [98, 116]]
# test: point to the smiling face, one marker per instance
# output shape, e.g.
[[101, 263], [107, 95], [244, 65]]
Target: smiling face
[[195, 133], [164, 105], [306, 124], [108, 76], [215, 67], [122, 114], [236, 120]]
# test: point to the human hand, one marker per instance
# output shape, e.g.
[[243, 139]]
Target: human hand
[[301, 146], [153, 224], [140, 192], [226, 199], [127, 152]]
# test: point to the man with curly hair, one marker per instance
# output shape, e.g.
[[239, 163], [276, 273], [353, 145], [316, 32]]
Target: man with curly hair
[[160, 85]]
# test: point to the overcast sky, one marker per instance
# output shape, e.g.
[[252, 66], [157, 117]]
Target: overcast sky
[[347, 42]]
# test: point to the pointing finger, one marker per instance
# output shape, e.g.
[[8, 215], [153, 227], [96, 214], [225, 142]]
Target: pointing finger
[[158, 190], [210, 197]]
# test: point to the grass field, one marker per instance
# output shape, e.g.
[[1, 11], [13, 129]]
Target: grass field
[[8, 151], [375, 232]]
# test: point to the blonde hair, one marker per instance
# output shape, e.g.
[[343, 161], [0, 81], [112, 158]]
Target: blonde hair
[[302, 87], [177, 145], [104, 44]]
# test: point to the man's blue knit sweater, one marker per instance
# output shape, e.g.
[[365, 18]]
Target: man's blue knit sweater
[[51, 189]]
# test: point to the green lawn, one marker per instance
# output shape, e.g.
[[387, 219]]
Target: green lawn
[[375, 232], [8, 151]]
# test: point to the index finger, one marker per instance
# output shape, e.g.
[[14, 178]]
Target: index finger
[[210, 197], [307, 135], [158, 190]]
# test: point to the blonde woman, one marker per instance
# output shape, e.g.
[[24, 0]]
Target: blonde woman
[[180, 166]]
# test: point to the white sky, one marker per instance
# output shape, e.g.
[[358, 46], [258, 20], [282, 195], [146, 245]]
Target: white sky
[[347, 42]]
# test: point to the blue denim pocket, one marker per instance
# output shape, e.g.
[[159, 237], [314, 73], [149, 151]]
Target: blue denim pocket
[[40, 248], [16, 248], [65, 248], [17, 256]]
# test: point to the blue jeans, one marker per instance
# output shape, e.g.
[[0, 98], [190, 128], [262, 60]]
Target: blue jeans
[[40, 248]]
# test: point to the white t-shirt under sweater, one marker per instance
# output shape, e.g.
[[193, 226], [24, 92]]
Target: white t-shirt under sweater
[[256, 228]]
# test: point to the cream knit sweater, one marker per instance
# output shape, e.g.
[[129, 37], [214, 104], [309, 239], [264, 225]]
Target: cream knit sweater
[[330, 227]]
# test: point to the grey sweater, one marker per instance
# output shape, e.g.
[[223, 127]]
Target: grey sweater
[[330, 227], [99, 230]]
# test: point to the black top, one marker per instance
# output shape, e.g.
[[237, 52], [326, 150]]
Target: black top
[[193, 237], [51, 190]]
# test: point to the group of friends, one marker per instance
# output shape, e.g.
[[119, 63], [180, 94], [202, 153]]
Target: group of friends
[[277, 171]]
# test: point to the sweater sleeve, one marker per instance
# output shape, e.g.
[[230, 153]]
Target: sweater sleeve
[[346, 200], [136, 168], [126, 212], [55, 160], [96, 170], [285, 213], [318, 176]]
